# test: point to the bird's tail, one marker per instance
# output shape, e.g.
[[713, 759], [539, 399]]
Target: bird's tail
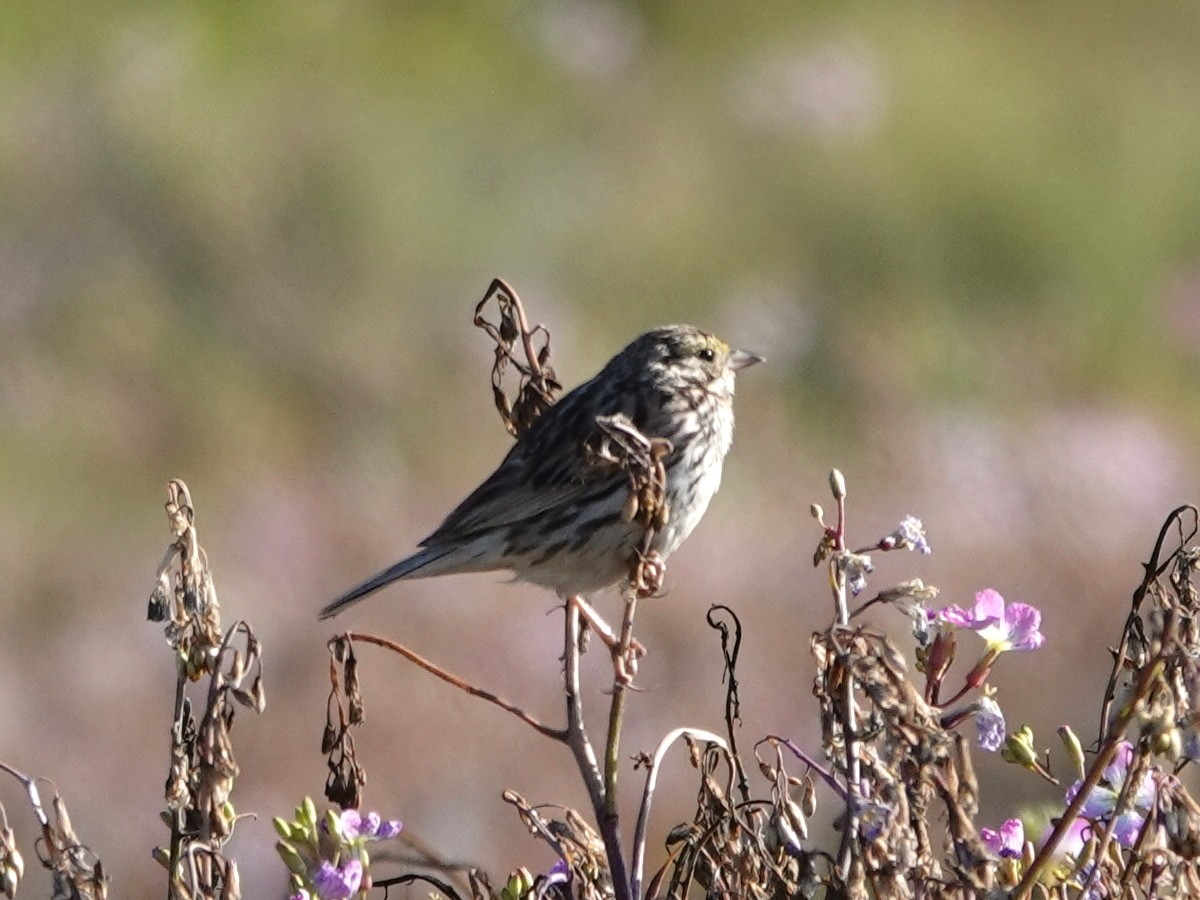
[[412, 567]]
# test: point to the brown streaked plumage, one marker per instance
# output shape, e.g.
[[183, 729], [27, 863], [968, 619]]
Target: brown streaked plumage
[[553, 519]]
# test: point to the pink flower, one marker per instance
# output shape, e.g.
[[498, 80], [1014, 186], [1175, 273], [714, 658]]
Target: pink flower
[[1101, 801], [354, 826], [338, 882], [1012, 626], [1008, 842]]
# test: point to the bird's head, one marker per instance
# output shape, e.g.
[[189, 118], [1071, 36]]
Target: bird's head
[[682, 356]]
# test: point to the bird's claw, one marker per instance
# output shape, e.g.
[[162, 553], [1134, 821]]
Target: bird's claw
[[625, 656], [625, 663], [649, 572]]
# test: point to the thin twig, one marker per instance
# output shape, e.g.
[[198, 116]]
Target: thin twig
[[609, 817], [576, 738], [826, 776], [30, 785], [732, 710], [616, 710], [557, 734], [585, 756], [409, 879], [535, 822]]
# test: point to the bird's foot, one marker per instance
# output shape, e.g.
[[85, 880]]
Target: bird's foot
[[649, 573], [625, 657], [625, 663]]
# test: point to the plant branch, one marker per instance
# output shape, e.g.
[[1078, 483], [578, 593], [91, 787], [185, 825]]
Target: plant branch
[[585, 756], [557, 734], [849, 714]]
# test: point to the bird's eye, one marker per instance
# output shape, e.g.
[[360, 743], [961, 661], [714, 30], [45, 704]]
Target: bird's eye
[[707, 354]]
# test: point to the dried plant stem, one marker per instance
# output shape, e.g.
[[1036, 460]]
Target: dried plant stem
[[499, 285], [576, 735], [1153, 570], [600, 787], [812, 764], [616, 710], [202, 767], [730, 649], [639, 834], [603, 801], [837, 576], [31, 790], [537, 387], [608, 816], [556, 733], [177, 814], [1104, 756]]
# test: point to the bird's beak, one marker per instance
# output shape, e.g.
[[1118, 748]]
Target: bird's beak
[[739, 359]]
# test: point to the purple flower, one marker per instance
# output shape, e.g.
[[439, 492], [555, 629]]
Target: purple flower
[[388, 829], [1073, 840], [354, 826], [559, 873], [1071, 845], [856, 566], [1101, 802], [1008, 842], [909, 535], [338, 882], [873, 818], [1012, 626], [990, 721]]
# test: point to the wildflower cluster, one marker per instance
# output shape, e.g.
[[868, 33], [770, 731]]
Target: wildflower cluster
[[1004, 627], [327, 856], [1102, 807], [897, 766]]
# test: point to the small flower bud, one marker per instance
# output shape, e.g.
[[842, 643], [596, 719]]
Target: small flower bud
[[940, 656], [837, 484], [333, 823], [520, 883], [1018, 749], [1168, 743], [291, 858], [1074, 750], [786, 832], [795, 816], [978, 676], [808, 799], [306, 813]]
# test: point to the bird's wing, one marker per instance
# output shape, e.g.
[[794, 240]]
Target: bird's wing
[[483, 511], [548, 468]]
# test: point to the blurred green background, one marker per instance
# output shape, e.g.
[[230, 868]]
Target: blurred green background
[[240, 244]]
